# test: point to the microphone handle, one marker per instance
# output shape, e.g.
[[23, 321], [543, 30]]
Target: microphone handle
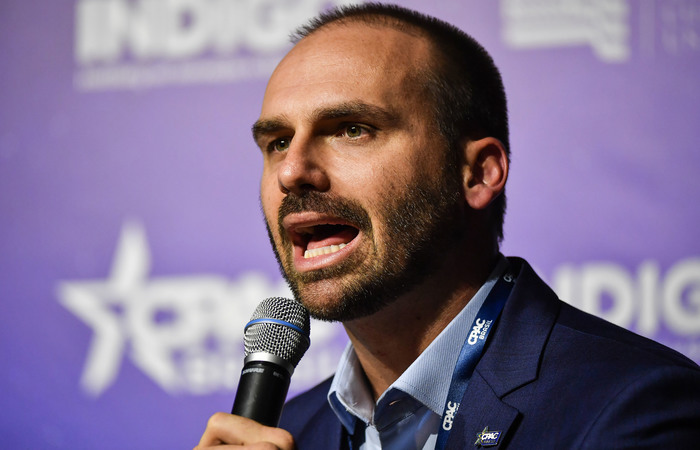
[[261, 392]]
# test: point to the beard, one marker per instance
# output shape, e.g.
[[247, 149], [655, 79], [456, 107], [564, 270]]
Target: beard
[[419, 225]]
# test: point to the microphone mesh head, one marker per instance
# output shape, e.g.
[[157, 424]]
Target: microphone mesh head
[[279, 340]]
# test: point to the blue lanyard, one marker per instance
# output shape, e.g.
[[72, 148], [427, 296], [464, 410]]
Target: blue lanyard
[[471, 352]]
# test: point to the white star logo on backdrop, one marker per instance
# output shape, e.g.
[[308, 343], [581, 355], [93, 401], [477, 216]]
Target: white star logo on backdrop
[[184, 332], [99, 304]]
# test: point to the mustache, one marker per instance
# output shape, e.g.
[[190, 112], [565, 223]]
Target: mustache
[[323, 203]]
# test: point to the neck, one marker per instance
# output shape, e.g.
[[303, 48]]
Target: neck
[[387, 342]]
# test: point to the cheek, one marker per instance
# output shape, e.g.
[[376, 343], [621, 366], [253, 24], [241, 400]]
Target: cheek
[[269, 203], [271, 219]]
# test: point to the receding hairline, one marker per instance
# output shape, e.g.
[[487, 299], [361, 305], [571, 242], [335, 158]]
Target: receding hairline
[[380, 20], [377, 20], [381, 16]]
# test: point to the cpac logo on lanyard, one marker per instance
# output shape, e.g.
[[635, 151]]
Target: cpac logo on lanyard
[[450, 415], [481, 327]]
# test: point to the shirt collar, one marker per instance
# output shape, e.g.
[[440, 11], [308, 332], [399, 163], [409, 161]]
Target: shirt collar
[[350, 397]]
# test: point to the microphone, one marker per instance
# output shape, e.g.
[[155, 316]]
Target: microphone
[[276, 338]]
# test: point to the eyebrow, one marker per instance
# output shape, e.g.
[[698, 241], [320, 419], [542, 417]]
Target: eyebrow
[[268, 126], [353, 109]]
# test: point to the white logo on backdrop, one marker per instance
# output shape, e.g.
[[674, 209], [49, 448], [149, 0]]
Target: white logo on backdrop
[[184, 332], [145, 43], [604, 25], [646, 301]]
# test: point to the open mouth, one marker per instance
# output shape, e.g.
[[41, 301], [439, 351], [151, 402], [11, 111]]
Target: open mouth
[[322, 239]]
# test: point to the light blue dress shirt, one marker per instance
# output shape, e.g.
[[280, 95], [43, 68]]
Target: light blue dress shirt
[[407, 415]]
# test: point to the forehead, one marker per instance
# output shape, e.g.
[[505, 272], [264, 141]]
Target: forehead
[[345, 62]]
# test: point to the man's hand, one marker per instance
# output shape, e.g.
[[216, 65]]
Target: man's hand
[[229, 431]]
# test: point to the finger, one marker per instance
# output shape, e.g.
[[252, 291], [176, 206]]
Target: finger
[[220, 430], [256, 446], [225, 428]]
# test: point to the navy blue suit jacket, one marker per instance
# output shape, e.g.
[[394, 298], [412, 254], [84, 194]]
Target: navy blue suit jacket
[[552, 377]]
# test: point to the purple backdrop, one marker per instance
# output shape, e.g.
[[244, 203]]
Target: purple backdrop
[[132, 249]]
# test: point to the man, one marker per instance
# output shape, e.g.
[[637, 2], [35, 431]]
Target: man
[[385, 146]]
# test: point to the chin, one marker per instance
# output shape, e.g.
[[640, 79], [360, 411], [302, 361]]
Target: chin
[[340, 303]]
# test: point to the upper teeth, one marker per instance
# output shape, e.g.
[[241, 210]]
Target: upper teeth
[[323, 250]]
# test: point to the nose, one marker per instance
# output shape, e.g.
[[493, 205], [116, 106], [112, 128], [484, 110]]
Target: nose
[[303, 169]]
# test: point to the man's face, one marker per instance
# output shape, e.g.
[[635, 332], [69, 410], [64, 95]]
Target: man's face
[[359, 197]]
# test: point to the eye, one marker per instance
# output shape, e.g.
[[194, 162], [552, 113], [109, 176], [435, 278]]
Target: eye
[[280, 145], [353, 131]]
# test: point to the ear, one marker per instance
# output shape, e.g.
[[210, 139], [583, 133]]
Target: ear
[[485, 171]]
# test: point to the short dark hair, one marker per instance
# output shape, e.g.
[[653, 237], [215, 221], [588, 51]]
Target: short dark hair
[[465, 85]]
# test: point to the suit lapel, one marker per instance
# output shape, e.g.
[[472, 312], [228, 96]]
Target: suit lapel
[[474, 416], [510, 361]]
